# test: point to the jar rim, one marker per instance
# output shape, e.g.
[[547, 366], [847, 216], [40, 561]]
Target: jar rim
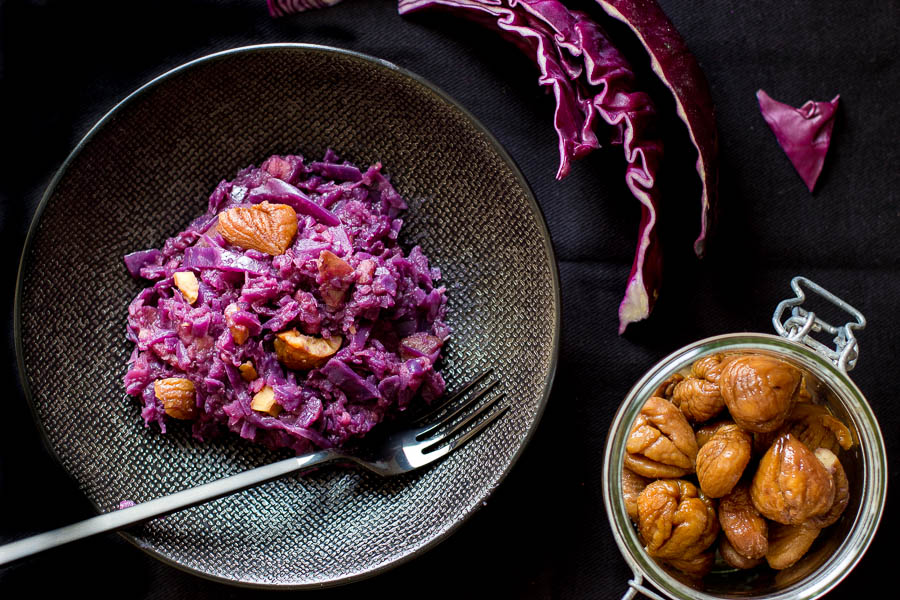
[[873, 453]]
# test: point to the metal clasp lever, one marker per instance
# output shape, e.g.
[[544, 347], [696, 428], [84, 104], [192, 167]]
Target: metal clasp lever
[[635, 587], [803, 322]]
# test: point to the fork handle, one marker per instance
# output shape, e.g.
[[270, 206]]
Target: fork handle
[[139, 513]]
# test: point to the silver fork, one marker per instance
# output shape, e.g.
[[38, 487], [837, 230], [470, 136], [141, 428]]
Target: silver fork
[[399, 452]]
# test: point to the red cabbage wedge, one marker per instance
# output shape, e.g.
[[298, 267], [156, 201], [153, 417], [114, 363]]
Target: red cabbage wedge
[[679, 70], [590, 78], [632, 113], [803, 133]]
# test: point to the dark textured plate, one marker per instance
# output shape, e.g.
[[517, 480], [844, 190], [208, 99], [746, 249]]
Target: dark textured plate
[[145, 170]]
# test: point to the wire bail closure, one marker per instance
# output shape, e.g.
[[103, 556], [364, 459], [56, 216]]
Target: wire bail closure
[[802, 322], [635, 587]]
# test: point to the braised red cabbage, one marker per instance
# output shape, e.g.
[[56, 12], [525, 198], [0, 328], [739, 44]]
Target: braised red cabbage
[[388, 312]]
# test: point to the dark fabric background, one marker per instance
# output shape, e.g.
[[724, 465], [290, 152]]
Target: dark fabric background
[[543, 534]]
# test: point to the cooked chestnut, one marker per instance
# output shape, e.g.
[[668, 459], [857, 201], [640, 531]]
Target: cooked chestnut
[[696, 566], [817, 428], [676, 521], [632, 486], [700, 400], [743, 526], [698, 395], [788, 544], [791, 485], [667, 387], [178, 397], [662, 443], [265, 227], [721, 460], [735, 558], [841, 489], [759, 391], [708, 367]]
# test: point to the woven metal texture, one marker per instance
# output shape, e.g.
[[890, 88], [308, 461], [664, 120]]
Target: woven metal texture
[[146, 171]]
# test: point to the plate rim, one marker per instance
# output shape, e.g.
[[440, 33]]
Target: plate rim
[[143, 90]]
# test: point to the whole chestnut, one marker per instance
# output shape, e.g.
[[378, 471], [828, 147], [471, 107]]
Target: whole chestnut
[[743, 526], [675, 520], [759, 391], [632, 486], [788, 544], [735, 558], [817, 428], [791, 485], [721, 460], [662, 443], [699, 399], [841, 489]]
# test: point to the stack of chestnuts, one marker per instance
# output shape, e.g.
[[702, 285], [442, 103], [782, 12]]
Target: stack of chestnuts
[[735, 456]]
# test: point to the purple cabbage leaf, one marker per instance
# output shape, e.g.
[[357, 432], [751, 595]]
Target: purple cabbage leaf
[[803, 133]]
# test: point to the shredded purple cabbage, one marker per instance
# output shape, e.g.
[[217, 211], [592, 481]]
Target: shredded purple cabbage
[[387, 309]]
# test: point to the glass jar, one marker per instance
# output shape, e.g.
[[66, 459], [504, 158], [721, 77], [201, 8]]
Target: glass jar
[[839, 547]]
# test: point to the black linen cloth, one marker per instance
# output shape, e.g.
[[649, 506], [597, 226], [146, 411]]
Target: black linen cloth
[[544, 532]]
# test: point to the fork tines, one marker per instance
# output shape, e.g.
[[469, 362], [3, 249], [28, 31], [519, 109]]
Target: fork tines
[[449, 415]]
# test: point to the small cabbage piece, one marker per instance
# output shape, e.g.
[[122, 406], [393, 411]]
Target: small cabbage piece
[[349, 381], [276, 190], [136, 261], [280, 8], [210, 257], [803, 133]]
